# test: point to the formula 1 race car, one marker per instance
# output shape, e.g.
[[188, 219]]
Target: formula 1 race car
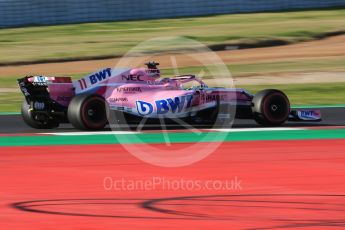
[[139, 93]]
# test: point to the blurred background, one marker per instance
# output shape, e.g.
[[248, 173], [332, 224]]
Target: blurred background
[[295, 45]]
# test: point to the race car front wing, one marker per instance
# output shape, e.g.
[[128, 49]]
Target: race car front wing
[[305, 115]]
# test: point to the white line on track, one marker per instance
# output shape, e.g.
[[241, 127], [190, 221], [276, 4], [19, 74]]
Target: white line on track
[[91, 133], [133, 132], [255, 129]]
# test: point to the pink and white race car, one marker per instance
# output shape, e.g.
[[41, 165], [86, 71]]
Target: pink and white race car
[[131, 95]]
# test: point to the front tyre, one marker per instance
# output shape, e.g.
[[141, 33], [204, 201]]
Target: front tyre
[[36, 121], [88, 112], [270, 107]]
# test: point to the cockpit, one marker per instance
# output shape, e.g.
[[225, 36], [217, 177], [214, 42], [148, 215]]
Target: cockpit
[[151, 74]]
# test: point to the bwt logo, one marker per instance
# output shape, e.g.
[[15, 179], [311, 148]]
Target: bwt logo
[[309, 114], [100, 76], [164, 106], [144, 108]]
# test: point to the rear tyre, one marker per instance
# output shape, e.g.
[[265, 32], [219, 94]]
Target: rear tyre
[[88, 112], [35, 123], [270, 107]]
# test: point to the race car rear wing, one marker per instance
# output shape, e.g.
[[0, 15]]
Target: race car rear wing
[[42, 80], [45, 89]]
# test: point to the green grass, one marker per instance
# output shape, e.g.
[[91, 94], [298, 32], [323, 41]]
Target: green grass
[[288, 66], [10, 102], [115, 38], [307, 94], [293, 65]]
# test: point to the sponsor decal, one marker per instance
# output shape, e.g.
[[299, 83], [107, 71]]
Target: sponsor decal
[[40, 81], [309, 114], [173, 105], [132, 77], [153, 72], [164, 106], [144, 108], [118, 99], [128, 89], [39, 105], [24, 89], [82, 84], [121, 108], [100, 76], [39, 78], [212, 97], [25, 92]]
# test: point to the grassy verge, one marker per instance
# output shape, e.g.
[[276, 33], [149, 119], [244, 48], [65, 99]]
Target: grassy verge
[[10, 102], [93, 40], [288, 66], [299, 94], [307, 94]]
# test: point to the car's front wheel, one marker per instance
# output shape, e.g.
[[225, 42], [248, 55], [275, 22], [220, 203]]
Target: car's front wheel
[[270, 107]]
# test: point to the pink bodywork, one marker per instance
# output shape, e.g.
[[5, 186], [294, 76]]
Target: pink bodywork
[[140, 92]]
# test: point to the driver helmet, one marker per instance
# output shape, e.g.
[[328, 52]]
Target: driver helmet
[[152, 69]]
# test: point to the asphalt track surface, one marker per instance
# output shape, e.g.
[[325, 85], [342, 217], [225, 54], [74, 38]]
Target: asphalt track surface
[[266, 184], [330, 117]]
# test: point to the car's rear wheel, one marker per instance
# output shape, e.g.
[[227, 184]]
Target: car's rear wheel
[[270, 107], [37, 121], [88, 112]]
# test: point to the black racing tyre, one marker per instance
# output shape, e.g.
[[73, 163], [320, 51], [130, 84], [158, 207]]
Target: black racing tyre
[[34, 123], [270, 107], [88, 112]]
